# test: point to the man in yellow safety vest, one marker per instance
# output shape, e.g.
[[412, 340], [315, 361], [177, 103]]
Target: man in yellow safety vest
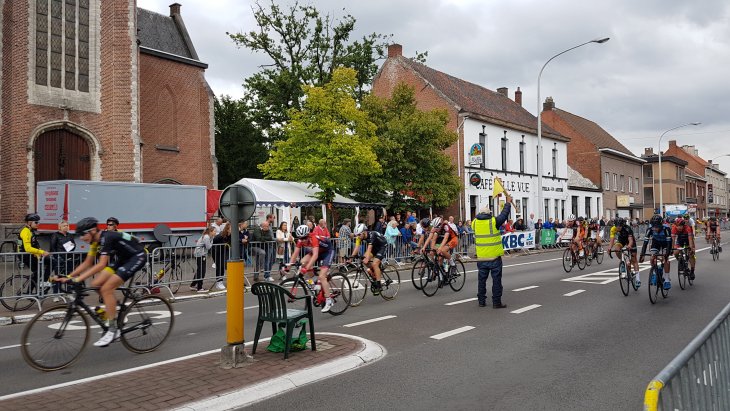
[[489, 252]]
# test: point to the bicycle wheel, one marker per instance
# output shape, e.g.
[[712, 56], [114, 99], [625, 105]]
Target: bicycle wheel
[[582, 261], [341, 291], [54, 338], [390, 282], [599, 254], [714, 251], [665, 293], [458, 276], [653, 288], [360, 285], [681, 276], [430, 280], [418, 268], [567, 260], [624, 278], [296, 287], [146, 323], [13, 288]]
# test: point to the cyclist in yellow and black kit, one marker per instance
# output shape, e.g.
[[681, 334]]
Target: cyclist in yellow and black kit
[[28, 243], [622, 235]]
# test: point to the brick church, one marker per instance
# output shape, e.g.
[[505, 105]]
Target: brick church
[[99, 90]]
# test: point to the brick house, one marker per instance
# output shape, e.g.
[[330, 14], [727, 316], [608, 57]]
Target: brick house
[[673, 181], [96, 90], [497, 137], [619, 171]]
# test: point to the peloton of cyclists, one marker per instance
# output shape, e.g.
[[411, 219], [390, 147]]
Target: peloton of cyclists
[[661, 244]]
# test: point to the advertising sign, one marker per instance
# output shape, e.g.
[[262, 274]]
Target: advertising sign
[[475, 154], [674, 210], [622, 201], [519, 239], [710, 194]]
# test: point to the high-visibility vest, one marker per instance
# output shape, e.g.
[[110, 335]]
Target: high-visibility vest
[[487, 238]]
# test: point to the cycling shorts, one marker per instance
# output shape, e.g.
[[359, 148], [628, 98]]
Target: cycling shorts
[[325, 258], [633, 249], [379, 252], [126, 269], [682, 242]]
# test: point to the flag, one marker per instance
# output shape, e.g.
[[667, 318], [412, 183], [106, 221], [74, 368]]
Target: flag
[[498, 189]]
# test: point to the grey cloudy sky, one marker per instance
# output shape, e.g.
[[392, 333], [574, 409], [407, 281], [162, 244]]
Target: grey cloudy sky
[[665, 65]]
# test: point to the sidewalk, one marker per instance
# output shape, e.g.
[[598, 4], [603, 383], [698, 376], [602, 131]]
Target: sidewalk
[[197, 382]]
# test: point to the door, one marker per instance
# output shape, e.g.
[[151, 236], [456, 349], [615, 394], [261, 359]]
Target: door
[[61, 155]]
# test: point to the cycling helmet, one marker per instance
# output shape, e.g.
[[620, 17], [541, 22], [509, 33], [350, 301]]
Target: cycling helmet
[[360, 229], [571, 217], [32, 217], [656, 221], [686, 216], [581, 219], [436, 222], [425, 222], [86, 224], [619, 222], [679, 220], [301, 232], [112, 220]]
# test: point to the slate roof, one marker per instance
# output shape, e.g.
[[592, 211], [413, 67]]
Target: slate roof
[[592, 131], [473, 98], [159, 32], [576, 179]]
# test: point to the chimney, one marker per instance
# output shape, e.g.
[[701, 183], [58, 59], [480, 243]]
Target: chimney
[[548, 105], [672, 143], [648, 152], [518, 97], [395, 50], [175, 9], [503, 91]]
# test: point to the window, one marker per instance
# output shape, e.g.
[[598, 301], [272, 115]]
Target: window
[[648, 195], [636, 184], [562, 209], [555, 159], [631, 185], [606, 181], [615, 182], [557, 202], [524, 209], [522, 154], [648, 171], [574, 205], [623, 182], [598, 206], [483, 143], [547, 209], [588, 208], [504, 151]]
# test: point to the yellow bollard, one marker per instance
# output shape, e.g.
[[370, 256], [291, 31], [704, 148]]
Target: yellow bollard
[[234, 303]]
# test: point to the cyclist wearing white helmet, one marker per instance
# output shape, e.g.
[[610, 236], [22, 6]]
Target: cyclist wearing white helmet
[[444, 234], [316, 249], [376, 246]]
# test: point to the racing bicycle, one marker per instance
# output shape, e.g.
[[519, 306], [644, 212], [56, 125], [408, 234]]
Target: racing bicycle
[[626, 276], [298, 286], [656, 277], [715, 248], [683, 270], [362, 277], [432, 275]]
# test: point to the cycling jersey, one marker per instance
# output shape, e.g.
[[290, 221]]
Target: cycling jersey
[[129, 253], [622, 235], [682, 232], [453, 235], [660, 240], [28, 242], [379, 244], [326, 251]]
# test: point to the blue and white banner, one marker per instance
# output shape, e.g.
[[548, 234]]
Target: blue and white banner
[[518, 239]]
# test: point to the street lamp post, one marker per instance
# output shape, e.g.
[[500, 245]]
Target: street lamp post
[[539, 124], [661, 192]]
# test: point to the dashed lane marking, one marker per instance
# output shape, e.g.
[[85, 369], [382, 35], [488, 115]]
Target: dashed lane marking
[[372, 320], [572, 293], [452, 332], [9, 346], [528, 308], [526, 288], [461, 301]]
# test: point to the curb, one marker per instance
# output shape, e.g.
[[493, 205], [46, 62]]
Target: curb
[[370, 353]]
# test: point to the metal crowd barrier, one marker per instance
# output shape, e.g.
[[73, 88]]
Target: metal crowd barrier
[[699, 377]]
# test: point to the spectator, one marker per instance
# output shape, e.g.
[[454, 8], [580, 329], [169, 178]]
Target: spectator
[[467, 227], [295, 222], [530, 223], [538, 224], [345, 241], [321, 229], [262, 247], [283, 242], [222, 242], [460, 227], [391, 234], [602, 221], [218, 225], [508, 227], [519, 225], [202, 246], [380, 225], [64, 262], [398, 220], [411, 217], [548, 225], [244, 236], [406, 233], [28, 243]]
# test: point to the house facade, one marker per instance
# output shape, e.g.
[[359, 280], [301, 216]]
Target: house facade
[[673, 189], [99, 90]]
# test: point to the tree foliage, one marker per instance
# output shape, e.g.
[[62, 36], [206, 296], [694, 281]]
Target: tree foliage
[[410, 149], [329, 141], [239, 145]]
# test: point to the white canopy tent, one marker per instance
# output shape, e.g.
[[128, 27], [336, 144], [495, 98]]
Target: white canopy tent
[[287, 194]]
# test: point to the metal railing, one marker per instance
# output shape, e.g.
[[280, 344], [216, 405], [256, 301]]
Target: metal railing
[[699, 377]]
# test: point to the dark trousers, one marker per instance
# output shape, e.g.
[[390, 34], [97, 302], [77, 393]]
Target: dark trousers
[[201, 267], [485, 268]]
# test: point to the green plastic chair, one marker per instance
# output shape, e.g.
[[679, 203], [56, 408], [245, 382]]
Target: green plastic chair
[[272, 308]]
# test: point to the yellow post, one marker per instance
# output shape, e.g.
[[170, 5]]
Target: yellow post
[[234, 303], [651, 397]]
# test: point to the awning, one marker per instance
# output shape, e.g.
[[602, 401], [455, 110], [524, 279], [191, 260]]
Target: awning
[[292, 194]]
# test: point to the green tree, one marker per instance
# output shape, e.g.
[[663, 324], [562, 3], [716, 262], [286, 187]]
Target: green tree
[[305, 47], [239, 145], [410, 149], [329, 141]]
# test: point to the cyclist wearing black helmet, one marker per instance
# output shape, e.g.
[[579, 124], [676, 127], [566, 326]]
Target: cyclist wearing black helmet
[[683, 236], [130, 257], [622, 235], [713, 229], [661, 242], [374, 253], [28, 243]]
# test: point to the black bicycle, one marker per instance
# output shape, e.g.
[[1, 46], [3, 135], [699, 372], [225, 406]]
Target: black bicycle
[[56, 336], [684, 276], [626, 276], [362, 278], [340, 290], [432, 275], [656, 278], [715, 248]]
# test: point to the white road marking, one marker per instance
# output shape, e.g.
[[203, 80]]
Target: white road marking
[[245, 308], [9, 346], [452, 332], [572, 293], [461, 301], [372, 320], [528, 308], [526, 288]]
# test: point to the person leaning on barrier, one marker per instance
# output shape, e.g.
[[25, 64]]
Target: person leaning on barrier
[[221, 243], [262, 247], [489, 251], [202, 246], [345, 239], [62, 246], [28, 243]]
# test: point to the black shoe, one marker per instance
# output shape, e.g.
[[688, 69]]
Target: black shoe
[[500, 305], [482, 304], [692, 275]]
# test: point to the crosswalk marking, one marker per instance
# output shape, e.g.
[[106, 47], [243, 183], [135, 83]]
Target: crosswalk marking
[[528, 308], [452, 332], [372, 320], [572, 293], [526, 288], [461, 301]]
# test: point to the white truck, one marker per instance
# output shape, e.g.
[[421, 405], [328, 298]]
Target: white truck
[[166, 213]]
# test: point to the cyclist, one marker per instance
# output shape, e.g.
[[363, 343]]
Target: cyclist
[[130, 257], [112, 224], [622, 235], [28, 243], [570, 233], [713, 229], [438, 239], [425, 226], [449, 241], [661, 241], [683, 236], [376, 246], [317, 249]]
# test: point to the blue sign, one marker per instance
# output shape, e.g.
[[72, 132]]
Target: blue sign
[[520, 239]]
